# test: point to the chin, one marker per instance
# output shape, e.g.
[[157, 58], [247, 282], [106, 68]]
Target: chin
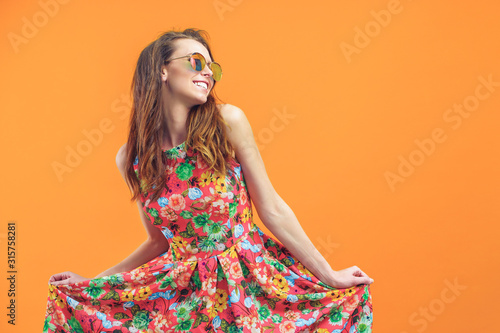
[[202, 100]]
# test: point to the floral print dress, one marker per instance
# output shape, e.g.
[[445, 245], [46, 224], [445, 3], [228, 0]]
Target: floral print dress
[[221, 273]]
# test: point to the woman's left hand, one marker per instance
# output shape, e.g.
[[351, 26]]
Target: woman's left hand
[[347, 278]]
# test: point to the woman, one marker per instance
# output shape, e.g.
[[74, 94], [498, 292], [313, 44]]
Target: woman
[[193, 166]]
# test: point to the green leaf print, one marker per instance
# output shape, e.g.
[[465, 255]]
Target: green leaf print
[[114, 280], [366, 295], [270, 245], [279, 266], [95, 302], [112, 294], [160, 276], [74, 325], [302, 297], [157, 221], [207, 245], [201, 220], [184, 325], [47, 324], [272, 302], [168, 281], [220, 272], [196, 280], [95, 288], [200, 318], [135, 309], [184, 171], [255, 289], [217, 232], [315, 304], [317, 296], [121, 315], [244, 269], [287, 262], [362, 328], [141, 320], [224, 325], [153, 212], [197, 322], [336, 315], [264, 312], [183, 311], [233, 207], [203, 306], [189, 232], [276, 318], [186, 214], [234, 329]]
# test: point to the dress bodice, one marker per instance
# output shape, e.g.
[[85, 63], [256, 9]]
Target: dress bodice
[[201, 213]]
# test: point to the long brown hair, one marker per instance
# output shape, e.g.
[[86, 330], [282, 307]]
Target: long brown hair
[[205, 125]]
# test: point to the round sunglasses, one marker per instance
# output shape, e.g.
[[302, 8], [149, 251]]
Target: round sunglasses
[[198, 63]]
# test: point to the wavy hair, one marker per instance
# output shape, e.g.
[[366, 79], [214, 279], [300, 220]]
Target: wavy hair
[[205, 126]]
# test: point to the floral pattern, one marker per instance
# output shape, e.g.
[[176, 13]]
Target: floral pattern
[[221, 273]]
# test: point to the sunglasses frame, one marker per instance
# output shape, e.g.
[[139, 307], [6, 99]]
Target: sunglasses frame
[[204, 60]]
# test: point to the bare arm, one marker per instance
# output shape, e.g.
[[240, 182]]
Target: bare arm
[[148, 250], [153, 246], [276, 215]]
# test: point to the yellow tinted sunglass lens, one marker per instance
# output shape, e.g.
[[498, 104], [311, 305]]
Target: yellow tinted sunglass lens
[[216, 70]]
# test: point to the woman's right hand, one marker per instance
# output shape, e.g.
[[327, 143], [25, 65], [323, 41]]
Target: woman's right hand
[[66, 278]]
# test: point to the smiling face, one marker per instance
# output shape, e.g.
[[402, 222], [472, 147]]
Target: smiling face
[[181, 81]]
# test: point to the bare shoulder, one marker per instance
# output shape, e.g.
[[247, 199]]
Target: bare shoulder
[[235, 118], [239, 129], [121, 157], [232, 114]]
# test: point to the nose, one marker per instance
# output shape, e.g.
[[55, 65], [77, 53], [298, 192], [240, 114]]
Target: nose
[[207, 71]]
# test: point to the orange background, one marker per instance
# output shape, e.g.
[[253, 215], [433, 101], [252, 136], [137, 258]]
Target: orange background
[[352, 118]]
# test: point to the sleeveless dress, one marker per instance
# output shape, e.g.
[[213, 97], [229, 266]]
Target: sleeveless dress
[[221, 273]]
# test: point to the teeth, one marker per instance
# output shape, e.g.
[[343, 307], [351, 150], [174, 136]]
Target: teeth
[[202, 84]]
